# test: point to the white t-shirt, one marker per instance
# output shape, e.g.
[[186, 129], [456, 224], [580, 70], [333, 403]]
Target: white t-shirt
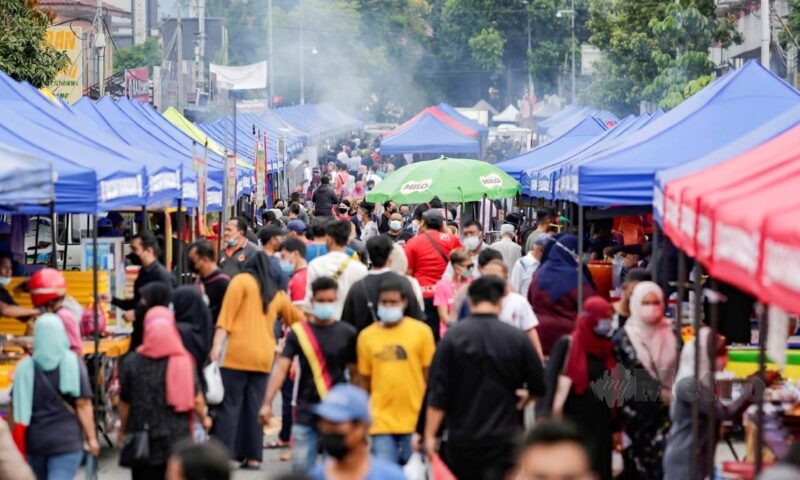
[[517, 312], [510, 251], [327, 266], [522, 273]]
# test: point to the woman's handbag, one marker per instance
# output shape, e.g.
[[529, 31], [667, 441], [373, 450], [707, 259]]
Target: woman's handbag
[[215, 390], [135, 449]]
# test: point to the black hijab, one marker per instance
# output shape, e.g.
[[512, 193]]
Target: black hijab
[[259, 266], [194, 322], [153, 294]]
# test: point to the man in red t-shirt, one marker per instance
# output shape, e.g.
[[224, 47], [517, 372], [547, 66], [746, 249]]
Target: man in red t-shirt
[[293, 263], [428, 254]]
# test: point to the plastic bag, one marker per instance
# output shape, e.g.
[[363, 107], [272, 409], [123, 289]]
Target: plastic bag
[[87, 320], [215, 391], [415, 468]]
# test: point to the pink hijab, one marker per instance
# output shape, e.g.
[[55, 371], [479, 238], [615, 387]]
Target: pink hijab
[[72, 329], [359, 192], [161, 339]]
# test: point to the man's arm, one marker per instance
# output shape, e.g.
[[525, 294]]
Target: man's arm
[[17, 312], [83, 407], [533, 335], [433, 420], [276, 380]]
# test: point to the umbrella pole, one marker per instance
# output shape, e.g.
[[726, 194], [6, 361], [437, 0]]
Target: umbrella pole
[[580, 259], [53, 236], [763, 331], [698, 305], [67, 236]]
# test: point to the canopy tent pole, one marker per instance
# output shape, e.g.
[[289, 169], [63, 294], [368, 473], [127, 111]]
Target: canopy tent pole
[[698, 304], [96, 314], [579, 260], [67, 237], [664, 267], [654, 252], [681, 294], [712, 356], [763, 331], [179, 254], [36, 242], [53, 236], [145, 225]]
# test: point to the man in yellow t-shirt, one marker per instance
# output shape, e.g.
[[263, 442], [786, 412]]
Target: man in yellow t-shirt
[[393, 358]]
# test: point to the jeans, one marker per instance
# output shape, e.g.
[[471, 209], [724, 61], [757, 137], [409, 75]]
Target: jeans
[[305, 446], [392, 448], [63, 466]]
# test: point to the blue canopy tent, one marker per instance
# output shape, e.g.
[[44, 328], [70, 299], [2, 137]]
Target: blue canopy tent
[[173, 167], [773, 128], [540, 179], [24, 179], [430, 136], [483, 132], [89, 179], [244, 137], [608, 120], [722, 112], [274, 126], [542, 127], [564, 176], [581, 133]]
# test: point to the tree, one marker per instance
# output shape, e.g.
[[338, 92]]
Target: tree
[[24, 53], [486, 49], [147, 54]]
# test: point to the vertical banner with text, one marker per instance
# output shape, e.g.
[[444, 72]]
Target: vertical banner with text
[[200, 163], [68, 83], [230, 177]]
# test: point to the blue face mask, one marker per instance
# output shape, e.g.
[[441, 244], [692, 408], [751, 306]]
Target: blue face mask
[[287, 267], [324, 311], [395, 225], [603, 328], [390, 315], [232, 242]]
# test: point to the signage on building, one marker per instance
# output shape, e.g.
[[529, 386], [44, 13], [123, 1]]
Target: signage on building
[[136, 87], [68, 83]]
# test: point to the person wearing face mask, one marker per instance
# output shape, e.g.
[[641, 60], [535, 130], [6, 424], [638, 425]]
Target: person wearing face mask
[[8, 307], [294, 265], [622, 306], [585, 356], [271, 237], [238, 249], [396, 232], [344, 422], [144, 252], [473, 239], [448, 287], [214, 283], [319, 368], [677, 457], [369, 228], [646, 346], [389, 208], [511, 250], [393, 356], [526, 266]]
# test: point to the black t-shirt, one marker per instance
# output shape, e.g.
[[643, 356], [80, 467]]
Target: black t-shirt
[[476, 370], [403, 236], [355, 310], [338, 344], [5, 297], [53, 429], [324, 200], [155, 272], [215, 286]]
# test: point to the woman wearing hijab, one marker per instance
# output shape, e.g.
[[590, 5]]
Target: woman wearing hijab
[[195, 325], [584, 357], [554, 290], [52, 396], [158, 392], [246, 327], [678, 456], [646, 347], [151, 295]]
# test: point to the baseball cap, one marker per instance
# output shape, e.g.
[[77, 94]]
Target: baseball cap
[[344, 403], [297, 226], [269, 232], [104, 223], [433, 214]]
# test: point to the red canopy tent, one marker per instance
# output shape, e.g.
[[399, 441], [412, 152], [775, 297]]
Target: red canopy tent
[[683, 195], [436, 112], [780, 260]]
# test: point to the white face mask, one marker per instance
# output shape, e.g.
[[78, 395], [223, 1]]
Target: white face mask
[[4, 281], [472, 243]]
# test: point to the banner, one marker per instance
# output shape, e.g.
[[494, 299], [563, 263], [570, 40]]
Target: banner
[[68, 83], [281, 151], [199, 164], [136, 84], [261, 171], [246, 77], [230, 177]]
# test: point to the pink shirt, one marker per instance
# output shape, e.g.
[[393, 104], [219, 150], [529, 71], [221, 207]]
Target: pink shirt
[[445, 293]]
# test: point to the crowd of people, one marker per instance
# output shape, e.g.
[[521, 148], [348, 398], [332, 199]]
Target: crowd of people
[[387, 330]]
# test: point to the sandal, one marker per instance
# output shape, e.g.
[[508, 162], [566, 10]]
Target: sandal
[[286, 456], [276, 444]]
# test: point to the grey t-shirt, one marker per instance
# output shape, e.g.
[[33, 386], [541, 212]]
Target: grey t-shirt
[[53, 429]]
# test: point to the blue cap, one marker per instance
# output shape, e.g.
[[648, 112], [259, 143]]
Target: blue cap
[[344, 403], [297, 226], [104, 223]]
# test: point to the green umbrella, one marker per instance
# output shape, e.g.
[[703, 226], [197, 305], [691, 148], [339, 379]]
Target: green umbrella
[[450, 179]]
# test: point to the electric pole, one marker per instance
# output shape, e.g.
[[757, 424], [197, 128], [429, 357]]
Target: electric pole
[[766, 34], [179, 29]]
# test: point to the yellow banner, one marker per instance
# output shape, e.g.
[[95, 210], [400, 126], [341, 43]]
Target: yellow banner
[[68, 83]]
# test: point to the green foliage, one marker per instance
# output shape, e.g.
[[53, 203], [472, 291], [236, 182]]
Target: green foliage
[[24, 53], [653, 51], [486, 48], [147, 54]]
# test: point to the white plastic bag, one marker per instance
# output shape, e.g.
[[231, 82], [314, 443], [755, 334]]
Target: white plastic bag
[[415, 468], [215, 391]]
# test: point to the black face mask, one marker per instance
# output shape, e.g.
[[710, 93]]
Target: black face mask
[[334, 445], [343, 211], [134, 259]]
